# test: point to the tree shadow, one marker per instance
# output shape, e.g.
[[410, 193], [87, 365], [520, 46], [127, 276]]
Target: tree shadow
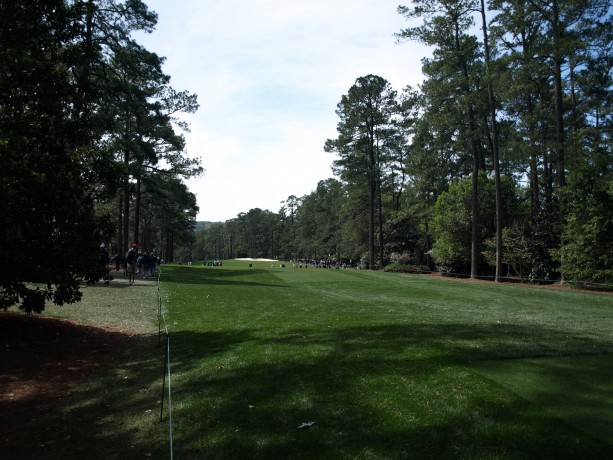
[[577, 388], [251, 406], [217, 276], [70, 387], [386, 391]]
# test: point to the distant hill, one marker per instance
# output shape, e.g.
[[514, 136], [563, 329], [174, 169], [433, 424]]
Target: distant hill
[[200, 226]]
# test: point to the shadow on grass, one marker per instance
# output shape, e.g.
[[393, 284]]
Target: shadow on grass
[[405, 391], [577, 389], [392, 391], [216, 276], [113, 415]]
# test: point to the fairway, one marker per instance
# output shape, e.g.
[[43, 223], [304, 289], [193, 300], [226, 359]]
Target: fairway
[[317, 363]]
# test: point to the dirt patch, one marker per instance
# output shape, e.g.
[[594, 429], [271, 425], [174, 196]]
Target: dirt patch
[[42, 360]]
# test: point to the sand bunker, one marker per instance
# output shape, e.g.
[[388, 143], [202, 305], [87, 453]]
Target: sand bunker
[[258, 260]]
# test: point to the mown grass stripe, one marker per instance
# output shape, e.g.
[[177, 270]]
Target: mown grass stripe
[[382, 362]]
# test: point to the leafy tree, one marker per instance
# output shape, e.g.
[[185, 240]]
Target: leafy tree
[[587, 254], [548, 47], [50, 234], [494, 138], [253, 234], [63, 119], [454, 80], [517, 250], [403, 234], [260, 227], [210, 242], [451, 222], [287, 227], [528, 104], [143, 137], [365, 113], [169, 210], [318, 221], [451, 229]]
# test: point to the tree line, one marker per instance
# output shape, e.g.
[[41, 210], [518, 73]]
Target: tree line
[[91, 149], [500, 164]]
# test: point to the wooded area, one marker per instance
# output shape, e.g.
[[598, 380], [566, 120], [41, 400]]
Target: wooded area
[[89, 146], [500, 164]]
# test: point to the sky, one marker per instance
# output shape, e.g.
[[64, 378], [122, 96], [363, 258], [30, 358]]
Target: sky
[[268, 75]]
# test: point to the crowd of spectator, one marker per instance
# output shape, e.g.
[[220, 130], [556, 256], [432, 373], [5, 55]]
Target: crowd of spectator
[[133, 263], [318, 263]]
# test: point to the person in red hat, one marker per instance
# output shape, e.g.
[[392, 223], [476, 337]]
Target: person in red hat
[[131, 257]]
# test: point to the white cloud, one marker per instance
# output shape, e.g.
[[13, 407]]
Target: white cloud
[[268, 74]]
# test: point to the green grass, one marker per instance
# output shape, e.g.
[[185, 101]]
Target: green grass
[[115, 413], [576, 389], [386, 365]]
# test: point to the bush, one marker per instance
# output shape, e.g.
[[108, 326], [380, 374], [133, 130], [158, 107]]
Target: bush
[[407, 268], [541, 273]]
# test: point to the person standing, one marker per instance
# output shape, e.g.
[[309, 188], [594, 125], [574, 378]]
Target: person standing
[[131, 257], [103, 261], [117, 260]]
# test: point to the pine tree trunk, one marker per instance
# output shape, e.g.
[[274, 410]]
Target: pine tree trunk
[[492, 107], [372, 190], [137, 211], [126, 211], [380, 206], [474, 213], [120, 240]]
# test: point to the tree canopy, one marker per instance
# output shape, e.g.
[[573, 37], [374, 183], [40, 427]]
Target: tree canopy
[[87, 127], [499, 164]]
